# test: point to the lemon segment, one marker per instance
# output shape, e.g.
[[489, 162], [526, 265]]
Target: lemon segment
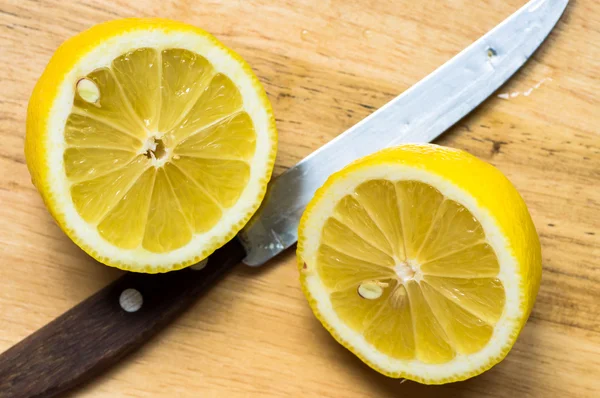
[[350, 213], [222, 180], [138, 73], [473, 261], [378, 198], [94, 198], [112, 107], [483, 297], [392, 330], [418, 203], [185, 75], [167, 227], [233, 138], [85, 132], [414, 268], [201, 211], [133, 207], [218, 101], [453, 229], [88, 163], [341, 271], [338, 236], [431, 341], [465, 332]]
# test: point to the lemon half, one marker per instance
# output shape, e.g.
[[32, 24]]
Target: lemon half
[[150, 142], [421, 260]]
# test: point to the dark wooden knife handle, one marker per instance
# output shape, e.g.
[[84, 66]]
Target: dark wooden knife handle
[[98, 332]]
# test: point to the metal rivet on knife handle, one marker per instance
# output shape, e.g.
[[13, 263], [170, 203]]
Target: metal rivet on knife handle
[[131, 300]]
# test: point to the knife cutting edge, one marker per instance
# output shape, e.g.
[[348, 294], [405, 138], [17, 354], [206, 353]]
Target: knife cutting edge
[[103, 328]]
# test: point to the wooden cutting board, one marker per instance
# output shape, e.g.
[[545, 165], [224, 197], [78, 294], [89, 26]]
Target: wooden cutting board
[[326, 64]]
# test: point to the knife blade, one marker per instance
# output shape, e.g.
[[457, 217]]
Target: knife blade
[[119, 318], [418, 115]]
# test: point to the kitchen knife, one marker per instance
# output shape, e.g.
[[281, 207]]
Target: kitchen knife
[[106, 326]]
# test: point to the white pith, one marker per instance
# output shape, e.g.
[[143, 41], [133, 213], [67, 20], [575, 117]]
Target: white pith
[[407, 271], [149, 147], [508, 275], [102, 56]]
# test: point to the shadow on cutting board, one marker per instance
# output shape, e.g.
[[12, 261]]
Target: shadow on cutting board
[[82, 276]]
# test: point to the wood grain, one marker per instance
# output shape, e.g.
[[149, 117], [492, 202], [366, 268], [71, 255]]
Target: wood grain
[[326, 65], [101, 330]]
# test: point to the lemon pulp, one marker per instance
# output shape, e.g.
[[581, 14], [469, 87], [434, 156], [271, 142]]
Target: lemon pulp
[[158, 142], [440, 292]]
